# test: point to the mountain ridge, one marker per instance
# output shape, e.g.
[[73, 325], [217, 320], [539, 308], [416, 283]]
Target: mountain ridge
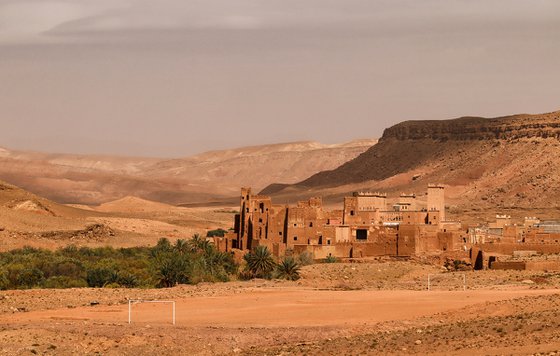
[[209, 176], [505, 162]]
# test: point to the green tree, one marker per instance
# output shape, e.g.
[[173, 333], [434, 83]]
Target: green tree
[[260, 262], [171, 269], [127, 280], [100, 276], [198, 243], [181, 246]]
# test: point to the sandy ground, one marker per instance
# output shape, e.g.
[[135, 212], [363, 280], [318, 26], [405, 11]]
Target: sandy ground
[[283, 307], [497, 314]]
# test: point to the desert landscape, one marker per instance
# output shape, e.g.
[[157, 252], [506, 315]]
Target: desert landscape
[[308, 177], [420, 300], [372, 308]]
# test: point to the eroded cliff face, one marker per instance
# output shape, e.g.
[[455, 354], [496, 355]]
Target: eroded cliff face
[[502, 162], [477, 128]]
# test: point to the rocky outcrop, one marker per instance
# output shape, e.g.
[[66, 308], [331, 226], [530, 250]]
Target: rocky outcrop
[[477, 128], [435, 146]]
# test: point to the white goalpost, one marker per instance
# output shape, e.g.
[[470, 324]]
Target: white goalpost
[[138, 301], [457, 279]]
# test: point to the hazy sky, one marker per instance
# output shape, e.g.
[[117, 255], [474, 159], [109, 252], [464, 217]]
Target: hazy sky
[[177, 77]]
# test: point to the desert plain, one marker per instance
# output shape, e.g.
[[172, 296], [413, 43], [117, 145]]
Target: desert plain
[[355, 306], [375, 307]]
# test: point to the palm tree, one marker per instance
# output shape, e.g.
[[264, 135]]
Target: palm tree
[[259, 262], [288, 269], [181, 246], [198, 243]]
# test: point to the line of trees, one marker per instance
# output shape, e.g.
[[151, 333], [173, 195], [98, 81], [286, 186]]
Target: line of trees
[[164, 265]]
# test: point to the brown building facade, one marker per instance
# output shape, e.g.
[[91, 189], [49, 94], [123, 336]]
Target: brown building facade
[[365, 227]]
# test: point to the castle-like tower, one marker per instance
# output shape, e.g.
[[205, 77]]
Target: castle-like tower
[[436, 199]]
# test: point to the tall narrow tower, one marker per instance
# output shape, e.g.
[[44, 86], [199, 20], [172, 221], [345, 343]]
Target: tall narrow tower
[[436, 199]]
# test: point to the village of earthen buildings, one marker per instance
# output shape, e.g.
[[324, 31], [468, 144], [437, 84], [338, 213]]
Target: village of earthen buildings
[[368, 226]]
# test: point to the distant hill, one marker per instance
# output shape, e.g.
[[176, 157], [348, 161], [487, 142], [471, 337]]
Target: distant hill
[[22, 210], [207, 177], [131, 204], [507, 162]]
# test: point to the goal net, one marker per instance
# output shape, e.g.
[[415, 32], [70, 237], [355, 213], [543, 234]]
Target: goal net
[[447, 281], [148, 314]]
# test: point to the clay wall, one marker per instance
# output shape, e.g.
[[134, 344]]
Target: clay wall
[[414, 217], [347, 250], [371, 202], [381, 241], [436, 199], [322, 251], [390, 216], [276, 224], [482, 253], [342, 234], [511, 265], [434, 218], [422, 239], [527, 265], [350, 211], [409, 200], [406, 242], [539, 236]]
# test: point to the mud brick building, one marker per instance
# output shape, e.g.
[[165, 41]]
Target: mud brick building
[[364, 227]]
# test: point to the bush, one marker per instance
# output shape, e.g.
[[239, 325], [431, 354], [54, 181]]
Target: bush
[[216, 233], [100, 276], [64, 282], [305, 259], [288, 269], [330, 259], [4, 282], [171, 269], [259, 262], [22, 277], [127, 280]]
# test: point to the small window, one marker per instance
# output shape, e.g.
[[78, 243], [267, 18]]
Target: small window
[[361, 234], [280, 233], [328, 242], [260, 220], [295, 238], [351, 212], [295, 225], [311, 224]]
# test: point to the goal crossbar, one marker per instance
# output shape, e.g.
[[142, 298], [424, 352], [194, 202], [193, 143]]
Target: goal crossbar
[[138, 301]]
